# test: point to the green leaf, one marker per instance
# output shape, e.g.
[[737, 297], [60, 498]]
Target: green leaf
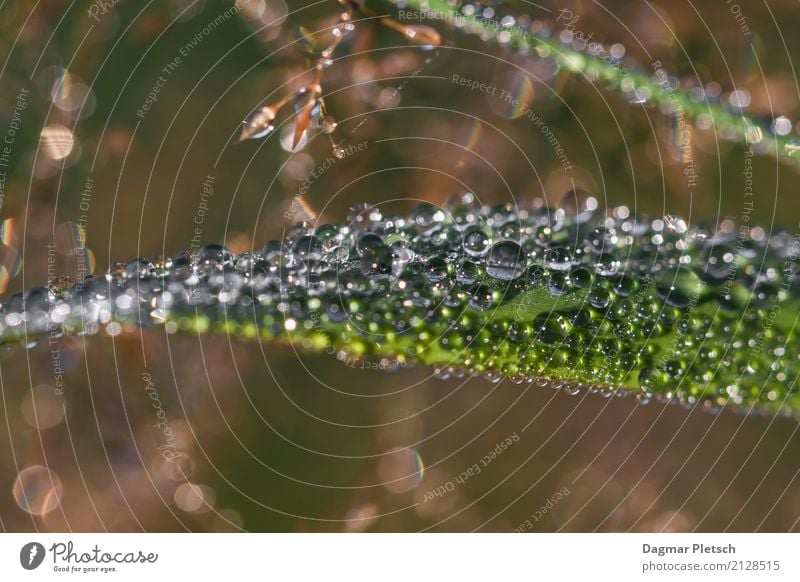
[[574, 297]]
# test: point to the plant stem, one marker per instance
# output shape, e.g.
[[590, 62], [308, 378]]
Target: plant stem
[[572, 298], [640, 85]]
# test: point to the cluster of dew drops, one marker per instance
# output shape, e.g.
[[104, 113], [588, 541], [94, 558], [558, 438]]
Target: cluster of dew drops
[[436, 280]]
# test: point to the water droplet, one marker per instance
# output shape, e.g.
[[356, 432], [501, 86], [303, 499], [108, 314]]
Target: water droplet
[[367, 242], [467, 272], [376, 261], [607, 265], [558, 259], [306, 97], [581, 278], [259, 123], [421, 34], [326, 124], [139, 269], [427, 217], [558, 284], [506, 261], [625, 286], [576, 206], [214, 254], [599, 298], [476, 242], [678, 289], [480, 297], [603, 240], [308, 247]]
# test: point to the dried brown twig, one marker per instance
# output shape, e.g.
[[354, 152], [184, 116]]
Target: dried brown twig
[[308, 102]]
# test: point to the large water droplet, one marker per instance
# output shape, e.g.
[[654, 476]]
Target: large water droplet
[[259, 123], [679, 289], [506, 261], [376, 261], [480, 297]]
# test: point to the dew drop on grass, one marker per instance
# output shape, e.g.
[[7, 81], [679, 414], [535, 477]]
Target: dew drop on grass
[[476, 242], [562, 299], [506, 261]]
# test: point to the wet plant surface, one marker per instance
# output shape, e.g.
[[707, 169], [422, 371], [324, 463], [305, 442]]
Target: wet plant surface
[[570, 297], [405, 266]]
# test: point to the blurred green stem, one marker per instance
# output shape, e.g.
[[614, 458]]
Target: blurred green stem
[[653, 84]]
